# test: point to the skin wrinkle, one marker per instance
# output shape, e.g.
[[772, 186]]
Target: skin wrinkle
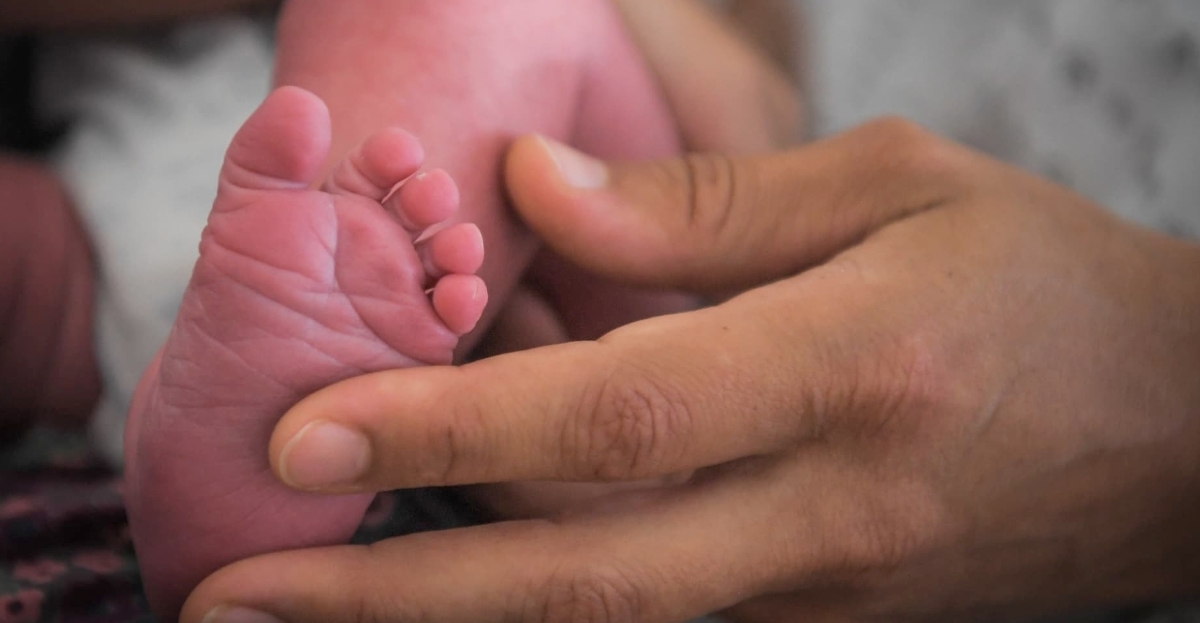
[[574, 436], [242, 180], [233, 279], [615, 431], [797, 425], [287, 308], [725, 177], [361, 183], [230, 350], [332, 245], [449, 438], [224, 276], [356, 299], [708, 211], [594, 593]]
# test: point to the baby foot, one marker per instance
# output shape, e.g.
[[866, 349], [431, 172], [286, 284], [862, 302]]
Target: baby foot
[[295, 289]]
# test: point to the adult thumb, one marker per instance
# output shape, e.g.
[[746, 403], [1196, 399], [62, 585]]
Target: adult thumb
[[714, 223]]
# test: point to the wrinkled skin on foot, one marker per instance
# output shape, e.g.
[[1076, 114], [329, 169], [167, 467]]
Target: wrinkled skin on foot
[[294, 287], [465, 78]]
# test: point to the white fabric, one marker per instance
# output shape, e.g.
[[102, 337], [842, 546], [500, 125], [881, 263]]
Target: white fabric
[[151, 116]]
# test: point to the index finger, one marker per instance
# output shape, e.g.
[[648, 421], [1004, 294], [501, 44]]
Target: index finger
[[653, 398]]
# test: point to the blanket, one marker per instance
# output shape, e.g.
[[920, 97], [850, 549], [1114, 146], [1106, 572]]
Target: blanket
[[65, 550]]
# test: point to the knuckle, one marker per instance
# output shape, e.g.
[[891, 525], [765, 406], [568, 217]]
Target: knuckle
[[710, 181], [904, 149], [903, 387], [596, 594], [373, 596], [451, 442], [630, 432], [885, 535], [915, 363], [900, 135], [882, 548], [713, 195], [885, 545], [925, 385], [897, 129]]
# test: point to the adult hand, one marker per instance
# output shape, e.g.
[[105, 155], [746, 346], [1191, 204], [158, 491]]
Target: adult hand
[[952, 389], [727, 95]]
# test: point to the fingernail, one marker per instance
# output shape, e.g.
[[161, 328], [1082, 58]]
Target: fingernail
[[576, 169], [225, 614], [323, 455]]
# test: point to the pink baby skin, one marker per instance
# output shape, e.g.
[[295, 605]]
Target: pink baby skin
[[312, 270]]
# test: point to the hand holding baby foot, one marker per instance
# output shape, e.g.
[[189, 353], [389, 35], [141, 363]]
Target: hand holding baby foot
[[952, 390], [294, 288]]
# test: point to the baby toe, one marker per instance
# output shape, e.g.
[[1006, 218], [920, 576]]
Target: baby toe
[[455, 250], [376, 166], [426, 200], [459, 301]]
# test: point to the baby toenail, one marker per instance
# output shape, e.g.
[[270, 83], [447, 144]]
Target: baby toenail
[[576, 169], [224, 614], [324, 455]]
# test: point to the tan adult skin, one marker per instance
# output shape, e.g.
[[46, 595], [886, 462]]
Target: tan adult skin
[[950, 390], [961, 391]]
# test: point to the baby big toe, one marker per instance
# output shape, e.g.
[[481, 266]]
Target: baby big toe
[[282, 146]]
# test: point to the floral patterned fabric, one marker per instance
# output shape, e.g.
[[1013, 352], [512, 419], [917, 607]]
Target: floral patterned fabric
[[65, 551]]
